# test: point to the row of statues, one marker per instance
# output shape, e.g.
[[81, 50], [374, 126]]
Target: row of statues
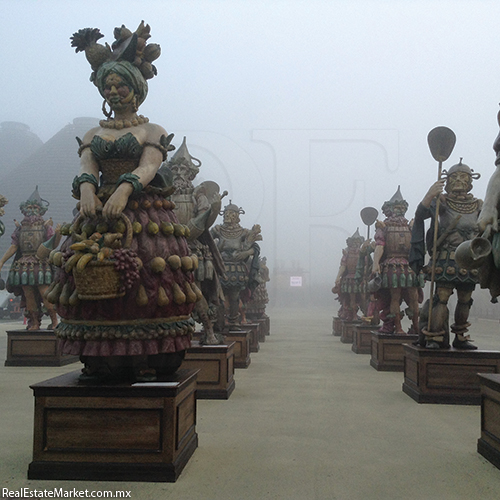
[[399, 271], [141, 260]]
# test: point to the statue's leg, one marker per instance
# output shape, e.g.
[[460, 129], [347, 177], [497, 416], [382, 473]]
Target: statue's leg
[[396, 310], [438, 335], [414, 309], [208, 337], [50, 307], [233, 296], [461, 325], [384, 306], [31, 307]]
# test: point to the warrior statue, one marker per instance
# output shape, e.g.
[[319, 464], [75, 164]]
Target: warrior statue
[[197, 208], [346, 286], [398, 281], [240, 253], [458, 214], [371, 314], [256, 307], [31, 273]]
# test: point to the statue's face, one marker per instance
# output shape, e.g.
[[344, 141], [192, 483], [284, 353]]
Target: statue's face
[[399, 209], [29, 210], [180, 175], [459, 182], [231, 217], [117, 93]]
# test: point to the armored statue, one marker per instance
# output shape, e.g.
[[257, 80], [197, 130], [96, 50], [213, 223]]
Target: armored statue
[[31, 274], [489, 264], [397, 280], [125, 286], [457, 222], [197, 208], [256, 307], [347, 287], [368, 287], [240, 253]]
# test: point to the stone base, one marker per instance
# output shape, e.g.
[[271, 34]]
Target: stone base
[[114, 432], [362, 341], [35, 348], [448, 376], [241, 339], [387, 351], [488, 445], [216, 369], [347, 335], [337, 326]]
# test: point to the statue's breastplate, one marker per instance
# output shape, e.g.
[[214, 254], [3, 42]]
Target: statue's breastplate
[[464, 229], [397, 241], [30, 238], [184, 207], [352, 261]]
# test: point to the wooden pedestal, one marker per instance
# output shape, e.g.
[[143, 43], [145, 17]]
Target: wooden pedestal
[[35, 348], [241, 339], [448, 376], [488, 445], [216, 369], [362, 341], [262, 322], [254, 336], [337, 326], [347, 335], [120, 432], [387, 351]]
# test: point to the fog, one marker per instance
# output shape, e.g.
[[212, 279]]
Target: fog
[[304, 111]]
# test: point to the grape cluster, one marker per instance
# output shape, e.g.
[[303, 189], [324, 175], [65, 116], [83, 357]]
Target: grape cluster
[[126, 264]]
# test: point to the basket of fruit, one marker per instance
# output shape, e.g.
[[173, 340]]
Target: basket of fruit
[[103, 265]]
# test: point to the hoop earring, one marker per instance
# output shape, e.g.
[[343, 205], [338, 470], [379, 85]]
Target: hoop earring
[[107, 114], [135, 108]]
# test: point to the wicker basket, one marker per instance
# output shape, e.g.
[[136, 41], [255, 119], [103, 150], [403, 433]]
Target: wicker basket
[[100, 280]]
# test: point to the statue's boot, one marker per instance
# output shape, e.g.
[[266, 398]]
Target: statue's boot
[[398, 329], [54, 320], [461, 326], [437, 337]]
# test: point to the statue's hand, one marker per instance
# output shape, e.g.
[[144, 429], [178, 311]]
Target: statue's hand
[[89, 202], [375, 269], [117, 201], [243, 255], [488, 216]]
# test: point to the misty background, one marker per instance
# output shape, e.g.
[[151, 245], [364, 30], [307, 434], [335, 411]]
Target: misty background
[[304, 111]]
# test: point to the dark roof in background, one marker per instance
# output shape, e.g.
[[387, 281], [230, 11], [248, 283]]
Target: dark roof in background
[[51, 167], [17, 143]]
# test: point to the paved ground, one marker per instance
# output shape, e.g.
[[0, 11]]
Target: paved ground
[[309, 419]]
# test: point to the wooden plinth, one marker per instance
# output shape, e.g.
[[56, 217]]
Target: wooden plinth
[[241, 339], [362, 341], [120, 432], [254, 335], [216, 369], [262, 322], [488, 445], [35, 348], [387, 351], [337, 326], [448, 376], [347, 335]]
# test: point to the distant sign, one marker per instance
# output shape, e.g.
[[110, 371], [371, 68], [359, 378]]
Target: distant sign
[[295, 280]]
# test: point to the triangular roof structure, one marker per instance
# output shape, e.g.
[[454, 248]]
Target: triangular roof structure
[[52, 167]]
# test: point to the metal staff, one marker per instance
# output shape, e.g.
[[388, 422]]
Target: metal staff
[[441, 141], [368, 216]]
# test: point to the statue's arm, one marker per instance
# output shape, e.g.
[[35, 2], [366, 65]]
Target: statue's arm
[[489, 210]]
